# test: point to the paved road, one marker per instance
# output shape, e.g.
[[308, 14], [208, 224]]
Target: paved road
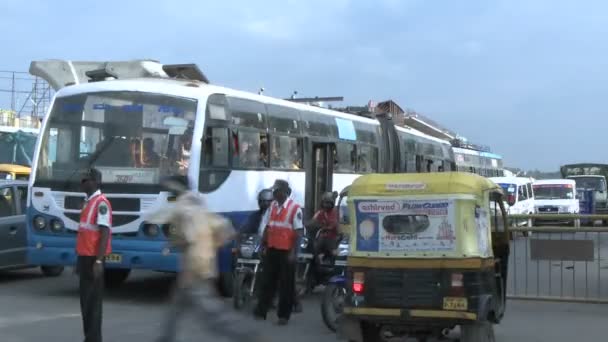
[[34, 309]]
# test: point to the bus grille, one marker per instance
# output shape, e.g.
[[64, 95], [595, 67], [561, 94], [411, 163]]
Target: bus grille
[[117, 220], [118, 204]]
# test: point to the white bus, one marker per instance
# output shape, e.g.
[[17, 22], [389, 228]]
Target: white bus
[[230, 143]]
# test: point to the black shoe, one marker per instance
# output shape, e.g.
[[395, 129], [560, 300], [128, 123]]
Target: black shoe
[[257, 316], [283, 321]]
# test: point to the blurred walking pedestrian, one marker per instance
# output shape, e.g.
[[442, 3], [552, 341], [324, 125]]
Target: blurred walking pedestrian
[[200, 234]]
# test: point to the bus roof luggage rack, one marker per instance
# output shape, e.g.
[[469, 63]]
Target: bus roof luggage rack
[[61, 73], [185, 71], [100, 75]]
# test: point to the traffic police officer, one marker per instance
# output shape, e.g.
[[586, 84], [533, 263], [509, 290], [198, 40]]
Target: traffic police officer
[[280, 245], [92, 245]]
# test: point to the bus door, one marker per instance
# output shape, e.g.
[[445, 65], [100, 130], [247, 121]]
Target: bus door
[[319, 163]]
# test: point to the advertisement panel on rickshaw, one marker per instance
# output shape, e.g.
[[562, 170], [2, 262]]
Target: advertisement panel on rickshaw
[[415, 225]]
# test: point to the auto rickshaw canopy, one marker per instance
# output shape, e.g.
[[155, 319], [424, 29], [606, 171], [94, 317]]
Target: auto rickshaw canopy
[[421, 183]]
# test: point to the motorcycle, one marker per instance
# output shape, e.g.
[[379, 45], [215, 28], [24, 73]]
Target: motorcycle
[[332, 301], [248, 267], [312, 273]]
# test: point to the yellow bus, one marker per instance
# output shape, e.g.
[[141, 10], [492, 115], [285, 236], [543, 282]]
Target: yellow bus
[[17, 146]]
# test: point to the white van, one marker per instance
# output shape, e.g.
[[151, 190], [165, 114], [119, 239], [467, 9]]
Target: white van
[[556, 196], [520, 195]]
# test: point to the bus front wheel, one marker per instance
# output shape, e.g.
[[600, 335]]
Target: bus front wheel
[[115, 277]]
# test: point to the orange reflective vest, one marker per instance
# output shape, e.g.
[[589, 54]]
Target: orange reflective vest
[[281, 233], [87, 242]]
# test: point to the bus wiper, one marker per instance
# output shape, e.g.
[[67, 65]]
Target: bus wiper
[[92, 159]]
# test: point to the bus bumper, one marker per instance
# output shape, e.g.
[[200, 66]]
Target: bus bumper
[[148, 255], [129, 254]]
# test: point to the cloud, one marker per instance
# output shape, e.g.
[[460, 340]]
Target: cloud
[[269, 29]]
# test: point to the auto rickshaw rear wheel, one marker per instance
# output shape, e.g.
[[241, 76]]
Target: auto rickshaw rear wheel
[[477, 332], [370, 332]]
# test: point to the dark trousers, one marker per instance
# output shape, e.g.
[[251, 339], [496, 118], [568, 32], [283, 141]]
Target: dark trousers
[[277, 266], [214, 314], [325, 245], [91, 296]]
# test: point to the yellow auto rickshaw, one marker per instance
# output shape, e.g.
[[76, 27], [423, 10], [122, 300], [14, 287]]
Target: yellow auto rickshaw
[[428, 252], [14, 172]]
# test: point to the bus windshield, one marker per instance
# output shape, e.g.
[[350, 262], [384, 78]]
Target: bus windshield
[[17, 148], [508, 188], [589, 183], [553, 191], [131, 137]]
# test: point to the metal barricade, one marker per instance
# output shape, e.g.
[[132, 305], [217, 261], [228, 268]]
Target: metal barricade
[[559, 263]]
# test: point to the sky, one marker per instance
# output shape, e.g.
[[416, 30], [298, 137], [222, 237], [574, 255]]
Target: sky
[[525, 77]]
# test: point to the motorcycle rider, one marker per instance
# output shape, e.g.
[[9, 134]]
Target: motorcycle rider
[[326, 219], [253, 225]]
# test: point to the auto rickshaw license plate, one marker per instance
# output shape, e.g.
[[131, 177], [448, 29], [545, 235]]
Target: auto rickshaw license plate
[[455, 303], [114, 258]]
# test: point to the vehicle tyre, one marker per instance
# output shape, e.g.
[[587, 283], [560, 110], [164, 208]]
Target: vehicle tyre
[[370, 332], [332, 305], [114, 277], [241, 298], [52, 271], [225, 285], [477, 332]]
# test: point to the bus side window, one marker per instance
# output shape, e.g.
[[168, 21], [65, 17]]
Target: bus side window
[[345, 158], [286, 153], [408, 152], [419, 164], [250, 151], [247, 113], [215, 147], [318, 125], [367, 161]]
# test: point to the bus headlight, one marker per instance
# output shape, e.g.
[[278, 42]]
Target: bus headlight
[[39, 222], [151, 230], [169, 230], [56, 225]]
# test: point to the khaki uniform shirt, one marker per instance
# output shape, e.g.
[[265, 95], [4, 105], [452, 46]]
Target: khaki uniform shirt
[[199, 231]]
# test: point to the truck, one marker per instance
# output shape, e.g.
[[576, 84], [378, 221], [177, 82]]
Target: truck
[[591, 186]]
